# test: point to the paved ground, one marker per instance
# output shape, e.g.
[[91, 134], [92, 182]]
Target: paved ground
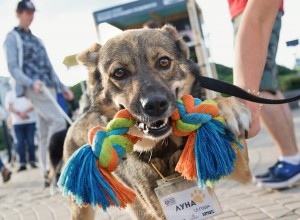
[[24, 198]]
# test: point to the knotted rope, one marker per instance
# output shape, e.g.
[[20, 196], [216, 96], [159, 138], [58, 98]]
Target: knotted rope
[[87, 174], [208, 154]]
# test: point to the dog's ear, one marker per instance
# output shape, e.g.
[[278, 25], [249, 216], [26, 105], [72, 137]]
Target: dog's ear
[[173, 34], [90, 58]]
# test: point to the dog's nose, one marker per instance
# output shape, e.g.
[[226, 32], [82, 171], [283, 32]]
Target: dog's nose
[[156, 105]]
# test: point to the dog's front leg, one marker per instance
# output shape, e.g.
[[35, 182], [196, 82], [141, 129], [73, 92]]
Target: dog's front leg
[[236, 114], [84, 213], [238, 119]]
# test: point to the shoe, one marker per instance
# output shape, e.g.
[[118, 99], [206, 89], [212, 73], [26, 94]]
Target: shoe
[[6, 173], [282, 176], [21, 168], [46, 180], [265, 175], [33, 166]]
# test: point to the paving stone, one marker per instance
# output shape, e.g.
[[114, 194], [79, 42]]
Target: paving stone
[[293, 206], [231, 218], [43, 212], [263, 203], [272, 207], [276, 214], [245, 212], [276, 195], [297, 212], [241, 207], [287, 200], [257, 216], [29, 217], [226, 215], [290, 217]]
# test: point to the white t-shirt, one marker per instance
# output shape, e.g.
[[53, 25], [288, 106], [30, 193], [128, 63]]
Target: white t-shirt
[[20, 104]]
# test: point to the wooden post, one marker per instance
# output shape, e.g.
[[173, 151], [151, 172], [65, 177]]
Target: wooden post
[[196, 20]]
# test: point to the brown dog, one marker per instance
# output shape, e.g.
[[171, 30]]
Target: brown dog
[[145, 71]]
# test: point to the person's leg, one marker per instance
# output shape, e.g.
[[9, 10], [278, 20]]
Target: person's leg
[[279, 122], [20, 135], [42, 149], [50, 121], [277, 118], [30, 129]]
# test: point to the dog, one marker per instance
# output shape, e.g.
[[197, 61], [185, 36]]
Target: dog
[[145, 71]]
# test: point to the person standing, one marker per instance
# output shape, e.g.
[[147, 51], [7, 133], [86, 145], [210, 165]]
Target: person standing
[[23, 121], [257, 27], [29, 65]]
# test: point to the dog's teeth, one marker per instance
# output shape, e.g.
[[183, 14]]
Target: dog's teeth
[[166, 120]]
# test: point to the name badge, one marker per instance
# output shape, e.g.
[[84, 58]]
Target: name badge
[[185, 200]]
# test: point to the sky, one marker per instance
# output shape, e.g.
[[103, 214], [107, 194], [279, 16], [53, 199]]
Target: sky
[[67, 27]]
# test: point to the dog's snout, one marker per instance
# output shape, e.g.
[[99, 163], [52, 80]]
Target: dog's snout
[[156, 105]]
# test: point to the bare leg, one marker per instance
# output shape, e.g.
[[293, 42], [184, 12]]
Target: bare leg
[[279, 123]]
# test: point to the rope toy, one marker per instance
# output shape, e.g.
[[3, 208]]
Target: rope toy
[[87, 174], [208, 154]]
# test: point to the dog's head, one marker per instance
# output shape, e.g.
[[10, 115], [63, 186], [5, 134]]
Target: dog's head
[[143, 71]]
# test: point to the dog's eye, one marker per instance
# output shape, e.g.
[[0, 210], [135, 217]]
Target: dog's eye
[[164, 62], [120, 74]]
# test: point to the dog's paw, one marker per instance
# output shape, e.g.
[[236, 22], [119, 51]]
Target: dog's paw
[[236, 114]]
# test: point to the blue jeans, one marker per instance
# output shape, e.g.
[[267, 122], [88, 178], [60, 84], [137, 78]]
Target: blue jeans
[[1, 165], [25, 135]]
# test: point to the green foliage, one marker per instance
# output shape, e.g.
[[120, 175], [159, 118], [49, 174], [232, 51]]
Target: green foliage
[[289, 82], [283, 71], [224, 73], [76, 89]]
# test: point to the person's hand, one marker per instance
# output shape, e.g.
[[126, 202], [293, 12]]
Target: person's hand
[[255, 115], [68, 94], [37, 86], [23, 115]]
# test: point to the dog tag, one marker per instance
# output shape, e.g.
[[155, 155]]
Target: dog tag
[[185, 200]]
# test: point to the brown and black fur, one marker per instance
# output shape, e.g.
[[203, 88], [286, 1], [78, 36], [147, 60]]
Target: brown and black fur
[[139, 53]]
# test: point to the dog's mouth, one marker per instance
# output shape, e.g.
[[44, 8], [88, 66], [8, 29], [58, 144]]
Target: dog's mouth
[[157, 129]]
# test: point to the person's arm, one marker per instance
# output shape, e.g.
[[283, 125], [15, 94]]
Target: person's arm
[[11, 52], [22, 115], [30, 109], [12, 109], [68, 94], [251, 50]]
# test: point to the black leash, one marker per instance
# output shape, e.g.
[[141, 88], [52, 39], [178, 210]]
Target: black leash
[[229, 89]]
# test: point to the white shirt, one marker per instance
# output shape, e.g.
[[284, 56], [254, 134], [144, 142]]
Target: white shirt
[[20, 104]]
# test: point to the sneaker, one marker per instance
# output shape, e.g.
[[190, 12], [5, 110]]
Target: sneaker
[[6, 173], [282, 176], [265, 175], [21, 168], [33, 166]]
